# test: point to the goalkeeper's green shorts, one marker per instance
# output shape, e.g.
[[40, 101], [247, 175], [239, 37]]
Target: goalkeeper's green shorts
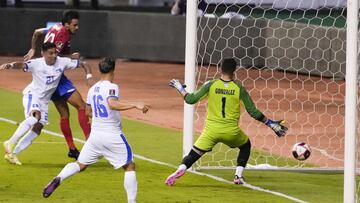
[[233, 137]]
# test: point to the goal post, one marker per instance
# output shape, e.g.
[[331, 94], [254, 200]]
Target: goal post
[[351, 101]]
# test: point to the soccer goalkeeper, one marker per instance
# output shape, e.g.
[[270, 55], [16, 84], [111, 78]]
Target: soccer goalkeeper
[[223, 111]]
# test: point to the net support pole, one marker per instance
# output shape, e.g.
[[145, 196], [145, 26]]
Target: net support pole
[[190, 74], [351, 102]]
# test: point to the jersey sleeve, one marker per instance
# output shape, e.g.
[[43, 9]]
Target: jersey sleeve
[[249, 104], [69, 63], [112, 91], [199, 94], [29, 65]]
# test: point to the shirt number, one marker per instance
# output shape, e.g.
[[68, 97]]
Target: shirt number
[[223, 100], [49, 79], [99, 109]]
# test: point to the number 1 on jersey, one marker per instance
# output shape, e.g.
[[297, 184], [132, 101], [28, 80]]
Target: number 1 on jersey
[[223, 100]]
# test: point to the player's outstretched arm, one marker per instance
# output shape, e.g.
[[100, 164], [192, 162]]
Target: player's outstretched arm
[[13, 65], [115, 104], [36, 35]]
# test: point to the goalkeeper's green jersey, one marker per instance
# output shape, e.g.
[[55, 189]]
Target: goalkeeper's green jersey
[[224, 102]]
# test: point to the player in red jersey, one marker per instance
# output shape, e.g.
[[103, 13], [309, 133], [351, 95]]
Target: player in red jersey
[[60, 35]]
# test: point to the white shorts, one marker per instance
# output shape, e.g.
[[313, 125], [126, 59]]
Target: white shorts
[[112, 146], [31, 102]]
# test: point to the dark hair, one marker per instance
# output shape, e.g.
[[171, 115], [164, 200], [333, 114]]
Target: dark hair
[[228, 66], [47, 45], [68, 16], [107, 65]]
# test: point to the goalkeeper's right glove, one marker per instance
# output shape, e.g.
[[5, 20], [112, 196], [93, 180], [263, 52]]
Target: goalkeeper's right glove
[[277, 127], [178, 86]]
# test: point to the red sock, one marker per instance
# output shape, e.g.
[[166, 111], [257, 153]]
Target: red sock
[[84, 122], [65, 129]]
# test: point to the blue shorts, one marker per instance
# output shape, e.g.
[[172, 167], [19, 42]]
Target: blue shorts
[[64, 90]]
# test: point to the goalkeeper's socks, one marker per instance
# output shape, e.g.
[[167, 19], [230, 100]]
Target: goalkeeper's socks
[[130, 185], [22, 129], [69, 170], [239, 171]]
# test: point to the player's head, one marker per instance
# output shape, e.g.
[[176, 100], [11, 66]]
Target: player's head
[[48, 51], [228, 66], [71, 21], [107, 67]]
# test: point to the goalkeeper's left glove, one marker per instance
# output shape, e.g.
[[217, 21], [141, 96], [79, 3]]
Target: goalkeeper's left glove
[[277, 127], [178, 86]]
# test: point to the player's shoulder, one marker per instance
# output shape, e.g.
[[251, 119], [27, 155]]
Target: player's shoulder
[[109, 85]]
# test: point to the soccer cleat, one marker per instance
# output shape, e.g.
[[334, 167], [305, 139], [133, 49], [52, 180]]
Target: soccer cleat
[[172, 178], [50, 188], [73, 153], [8, 147], [239, 180], [11, 158]]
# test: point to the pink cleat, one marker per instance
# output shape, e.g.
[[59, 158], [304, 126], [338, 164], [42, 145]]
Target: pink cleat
[[239, 180], [172, 178]]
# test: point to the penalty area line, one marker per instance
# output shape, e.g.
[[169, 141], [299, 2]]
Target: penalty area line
[[175, 167]]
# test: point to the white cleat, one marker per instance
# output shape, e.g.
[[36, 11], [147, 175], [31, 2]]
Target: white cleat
[[8, 147], [11, 158]]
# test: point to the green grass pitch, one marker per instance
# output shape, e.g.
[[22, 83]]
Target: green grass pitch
[[101, 183]]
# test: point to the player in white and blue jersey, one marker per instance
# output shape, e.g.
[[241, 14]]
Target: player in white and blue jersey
[[106, 138], [46, 73]]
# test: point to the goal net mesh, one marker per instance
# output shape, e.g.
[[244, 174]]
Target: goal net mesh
[[291, 57]]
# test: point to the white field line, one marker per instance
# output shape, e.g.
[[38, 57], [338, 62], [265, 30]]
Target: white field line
[[175, 167]]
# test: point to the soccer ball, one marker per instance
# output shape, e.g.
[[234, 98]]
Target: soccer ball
[[301, 151]]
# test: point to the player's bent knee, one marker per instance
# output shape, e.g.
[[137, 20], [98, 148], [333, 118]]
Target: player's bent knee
[[36, 114], [129, 167], [82, 166]]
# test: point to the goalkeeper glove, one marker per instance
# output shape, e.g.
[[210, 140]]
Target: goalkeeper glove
[[178, 86], [277, 127]]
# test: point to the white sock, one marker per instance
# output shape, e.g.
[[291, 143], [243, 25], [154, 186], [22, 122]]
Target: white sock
[[22, 129], [130, 185], [239, 171], [25, 142], [69, 170], [182, 167]]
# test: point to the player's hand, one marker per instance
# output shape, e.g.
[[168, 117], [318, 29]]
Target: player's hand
[[75, 55], [178, 86], [6, 66], [29, 55], [143, 107], [277, 127], [90, 81]]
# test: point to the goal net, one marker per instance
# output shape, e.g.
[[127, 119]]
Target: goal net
[[292, 58]]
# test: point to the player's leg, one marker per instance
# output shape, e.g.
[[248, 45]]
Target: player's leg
[[118, 152], [203, 144], [130, 182], [76, 101], [25, 141], [237, 138], [28, 102], [63, 110], [69, 170], [242, 160], [89, 155]]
